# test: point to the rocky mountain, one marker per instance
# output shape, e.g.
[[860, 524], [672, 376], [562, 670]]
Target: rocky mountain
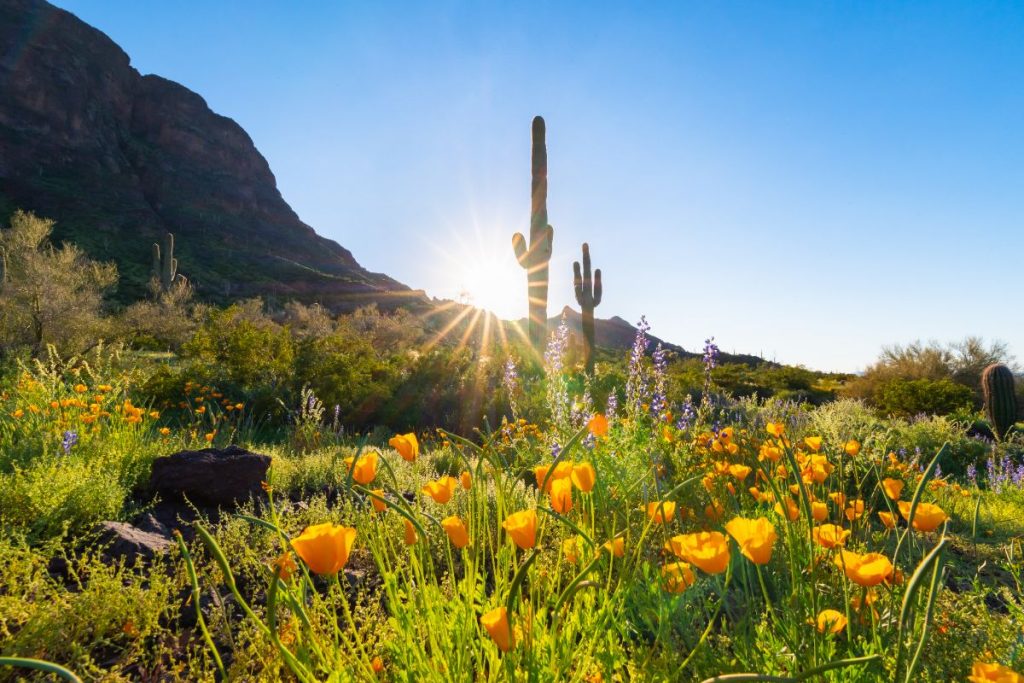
[[118, 158], [609, 333]]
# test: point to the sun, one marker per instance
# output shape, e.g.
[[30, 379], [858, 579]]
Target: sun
[[492, 282]]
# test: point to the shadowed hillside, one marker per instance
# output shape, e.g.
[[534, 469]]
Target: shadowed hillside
[[119, 158]]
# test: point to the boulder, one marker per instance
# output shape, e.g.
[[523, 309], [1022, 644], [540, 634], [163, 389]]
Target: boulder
[[217, 477], [129, 543]]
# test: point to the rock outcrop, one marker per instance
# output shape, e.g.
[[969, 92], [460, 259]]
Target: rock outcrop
[[217, 477], [118, 159]]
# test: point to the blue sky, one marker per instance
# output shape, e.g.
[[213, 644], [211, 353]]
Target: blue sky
[[808, 181]]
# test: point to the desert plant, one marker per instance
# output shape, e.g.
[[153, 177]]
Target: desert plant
[[588, 296], [50, 295], [535, 257], [165, 266], [999, 393]]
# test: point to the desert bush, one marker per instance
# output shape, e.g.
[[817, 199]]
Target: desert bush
[[933, 378], [902, 397], [49, 295]]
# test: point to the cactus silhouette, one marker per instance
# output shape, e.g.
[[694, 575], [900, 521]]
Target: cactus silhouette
[[1000, 395], [536, 256], [588, 296], [165, 266]]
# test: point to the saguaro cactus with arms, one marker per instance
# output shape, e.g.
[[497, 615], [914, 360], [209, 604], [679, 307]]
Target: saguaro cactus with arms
[[536, 256], [588, 296]]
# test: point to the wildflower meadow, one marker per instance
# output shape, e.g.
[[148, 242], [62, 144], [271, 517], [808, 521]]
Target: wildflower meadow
[[640, 539]]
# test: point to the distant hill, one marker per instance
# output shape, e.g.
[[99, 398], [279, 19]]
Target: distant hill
[[616, 333], [118, 159]]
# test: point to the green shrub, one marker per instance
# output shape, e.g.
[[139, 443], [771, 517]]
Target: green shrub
[[908, 397]]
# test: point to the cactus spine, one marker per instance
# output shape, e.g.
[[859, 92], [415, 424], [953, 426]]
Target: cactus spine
[[165, 266], [1000, 395], [536, 256], [588, 296]]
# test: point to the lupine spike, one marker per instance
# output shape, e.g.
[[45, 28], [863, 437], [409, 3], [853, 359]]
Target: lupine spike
[[535, 256], [588, 295], [1000, 396]]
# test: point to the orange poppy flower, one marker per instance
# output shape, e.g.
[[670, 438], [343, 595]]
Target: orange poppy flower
[[869, 569], [456, 530], [831, 621], [441, 490], [522, 528], [584, 477], [661, 512], [365, 469], [325, 547], [496, 624], [406, 445], [893, 488], [927, 517], [829, 535], [708, 550], [410, 533], [678, 576], [561, 495], [755, 537]]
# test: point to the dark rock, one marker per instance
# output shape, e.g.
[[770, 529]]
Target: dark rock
[[169, 516], [213, 476], [127, 542], [997, 603]]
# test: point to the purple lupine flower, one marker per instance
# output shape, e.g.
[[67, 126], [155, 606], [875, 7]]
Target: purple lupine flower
[[613, 406], [636, 380], [555, 351], [69, 441], [555, 449], [710, 359], [509, 379], [972, 474], [658, 399], [687, 414], [557, 391], [711, 353]]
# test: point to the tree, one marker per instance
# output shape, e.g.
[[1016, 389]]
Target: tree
[[49, 295]]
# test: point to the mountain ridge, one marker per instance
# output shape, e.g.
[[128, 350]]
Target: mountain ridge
[[114, 155]]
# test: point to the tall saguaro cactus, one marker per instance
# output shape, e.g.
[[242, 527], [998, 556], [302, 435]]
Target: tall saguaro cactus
[[536, 256], [588, 296], [165, 266], [1000, 395]]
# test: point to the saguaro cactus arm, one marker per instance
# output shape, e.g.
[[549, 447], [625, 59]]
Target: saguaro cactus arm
[[537, 253]]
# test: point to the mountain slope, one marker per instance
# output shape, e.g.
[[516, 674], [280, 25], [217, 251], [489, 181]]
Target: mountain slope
[[118, 158]]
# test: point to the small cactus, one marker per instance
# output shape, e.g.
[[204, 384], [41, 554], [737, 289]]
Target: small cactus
[[536, 256], [1000, 396], [588, 296], [165, 266]]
